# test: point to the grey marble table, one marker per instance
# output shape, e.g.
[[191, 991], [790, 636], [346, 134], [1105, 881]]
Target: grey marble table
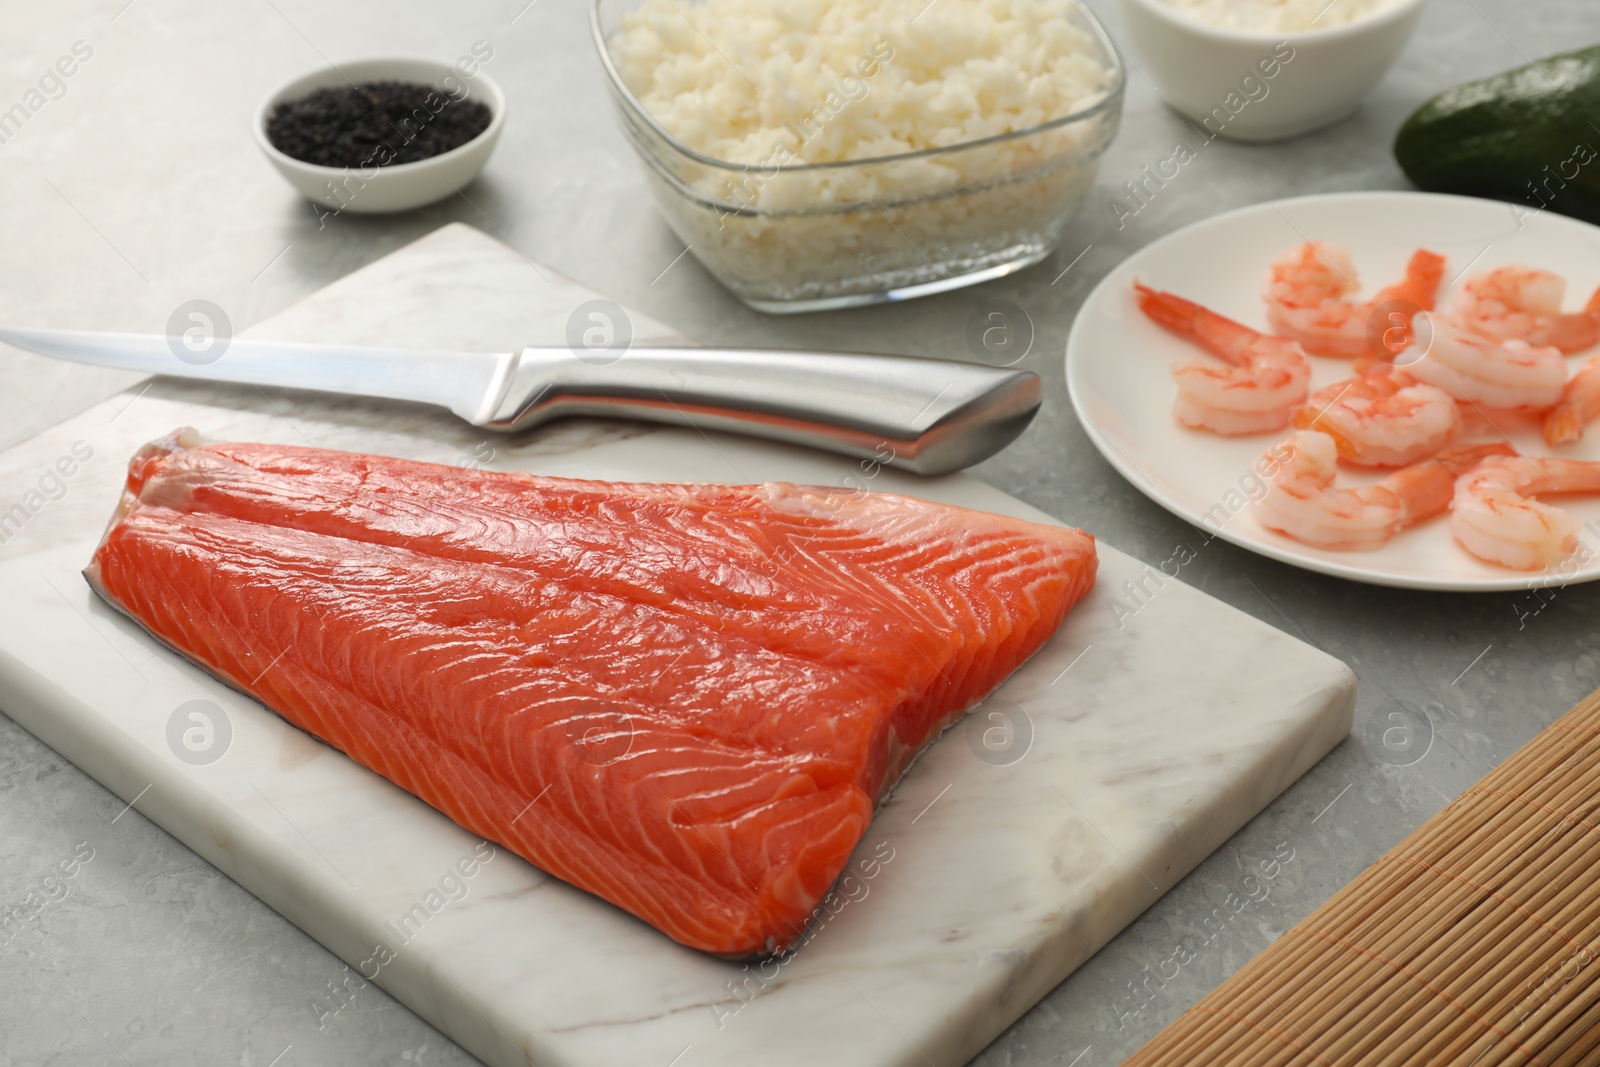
[[137, 187]]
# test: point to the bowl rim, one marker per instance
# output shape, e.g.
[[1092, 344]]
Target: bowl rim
[[496, 104], [1111, 100], [1227, 34]]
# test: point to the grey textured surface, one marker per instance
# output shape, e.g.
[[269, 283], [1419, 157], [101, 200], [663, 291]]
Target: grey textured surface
[[139, 189]]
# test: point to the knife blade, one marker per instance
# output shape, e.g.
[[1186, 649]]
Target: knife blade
[[929, 416]]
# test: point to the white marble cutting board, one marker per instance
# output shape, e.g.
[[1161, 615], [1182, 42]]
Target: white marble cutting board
[[1141, 741]]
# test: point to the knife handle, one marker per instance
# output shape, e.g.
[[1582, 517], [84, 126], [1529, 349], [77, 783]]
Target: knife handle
[[925, 415]]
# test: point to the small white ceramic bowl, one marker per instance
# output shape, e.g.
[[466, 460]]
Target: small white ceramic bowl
[[399, 186], [1201, 70]]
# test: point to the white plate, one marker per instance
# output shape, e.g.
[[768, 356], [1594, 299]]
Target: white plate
[[1118, 364]]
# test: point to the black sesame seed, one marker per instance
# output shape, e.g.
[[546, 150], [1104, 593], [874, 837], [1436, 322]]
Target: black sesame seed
[[374, 124]]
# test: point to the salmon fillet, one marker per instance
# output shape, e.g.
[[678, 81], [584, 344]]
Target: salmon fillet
[[685, 699]]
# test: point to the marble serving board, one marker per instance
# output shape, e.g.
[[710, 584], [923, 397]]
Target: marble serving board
[[1153, 726]]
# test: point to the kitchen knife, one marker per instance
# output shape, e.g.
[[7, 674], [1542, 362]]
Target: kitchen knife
[[924, 415]]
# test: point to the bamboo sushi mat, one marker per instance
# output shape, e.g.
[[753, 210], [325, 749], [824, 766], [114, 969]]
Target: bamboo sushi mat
[[1473, 942]]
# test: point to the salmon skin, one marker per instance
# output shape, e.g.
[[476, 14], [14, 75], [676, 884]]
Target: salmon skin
[[685, 699]]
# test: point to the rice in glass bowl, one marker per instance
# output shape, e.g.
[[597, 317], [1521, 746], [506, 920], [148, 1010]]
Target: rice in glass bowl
[[827, 153]]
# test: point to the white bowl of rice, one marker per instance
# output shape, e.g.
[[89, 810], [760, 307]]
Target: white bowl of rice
[[829, 153], [1264, 70]]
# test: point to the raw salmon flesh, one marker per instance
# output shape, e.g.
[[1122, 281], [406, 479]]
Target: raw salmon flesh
[[685, 699]]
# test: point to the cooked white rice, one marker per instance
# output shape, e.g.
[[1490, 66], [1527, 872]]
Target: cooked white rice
[[733, 79], [773, 85]]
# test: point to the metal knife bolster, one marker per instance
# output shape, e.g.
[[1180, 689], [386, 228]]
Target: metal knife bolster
[[926, 416]]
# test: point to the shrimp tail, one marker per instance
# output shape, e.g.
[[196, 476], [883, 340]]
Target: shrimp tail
[[1217, 334], [1420, 289], [1463, 458], [1423, 275], [1580, 401], [1420, 286], [1426, 488], [1563, 425], [1169, 309]]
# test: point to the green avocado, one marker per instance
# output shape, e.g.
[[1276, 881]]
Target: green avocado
[[1530, 135]]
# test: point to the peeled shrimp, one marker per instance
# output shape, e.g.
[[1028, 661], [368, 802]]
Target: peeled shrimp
[[1267, 377], [1308, 291], [1495, 517], [1482, 369], [1580, 404], [1518, 303], [1303, 503], [1383, 417]]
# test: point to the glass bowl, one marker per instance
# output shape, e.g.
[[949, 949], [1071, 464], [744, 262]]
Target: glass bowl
[[787, 237]]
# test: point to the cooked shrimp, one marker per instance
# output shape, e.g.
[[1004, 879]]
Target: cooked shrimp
[[1495, 517], [1308, 292], [1383, 417], [1580, 404], [1518, 303], [1267, 377], [1481, 369], [1303, 503]]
